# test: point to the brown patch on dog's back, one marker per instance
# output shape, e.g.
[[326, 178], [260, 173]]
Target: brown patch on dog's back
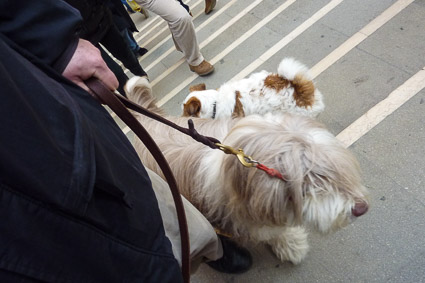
[[198, 87], [303, 91], [276, 82], [238, 110], [192, 108]]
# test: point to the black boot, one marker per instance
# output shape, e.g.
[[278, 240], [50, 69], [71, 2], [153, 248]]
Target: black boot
[[235, 258], [140, 52]]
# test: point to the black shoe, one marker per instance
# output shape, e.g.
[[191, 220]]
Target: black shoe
[[235, 259], [141, 51]]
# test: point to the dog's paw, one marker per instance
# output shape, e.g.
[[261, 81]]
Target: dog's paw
[[291, 246]]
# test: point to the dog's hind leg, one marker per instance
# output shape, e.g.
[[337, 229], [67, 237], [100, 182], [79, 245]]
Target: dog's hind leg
[[292, 245]]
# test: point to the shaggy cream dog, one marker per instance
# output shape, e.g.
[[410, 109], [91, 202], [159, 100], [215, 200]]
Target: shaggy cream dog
[[290, 90], [322, 189]]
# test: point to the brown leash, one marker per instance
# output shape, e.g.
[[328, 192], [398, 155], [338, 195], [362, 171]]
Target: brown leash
[[115, 102]]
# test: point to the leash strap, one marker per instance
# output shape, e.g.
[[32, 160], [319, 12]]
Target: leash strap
[[115, 102], [208, 141]]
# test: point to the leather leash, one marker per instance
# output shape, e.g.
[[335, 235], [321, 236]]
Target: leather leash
[[208, 141], [118, 104]]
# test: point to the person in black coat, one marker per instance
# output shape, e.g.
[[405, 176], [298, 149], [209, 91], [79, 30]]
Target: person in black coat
[[76, 203]]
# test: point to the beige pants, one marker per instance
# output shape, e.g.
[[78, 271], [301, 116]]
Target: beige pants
[[181, 27], [204, 243]]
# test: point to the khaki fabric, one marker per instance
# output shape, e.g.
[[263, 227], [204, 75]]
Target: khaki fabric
[[204, 243], [181, 27]]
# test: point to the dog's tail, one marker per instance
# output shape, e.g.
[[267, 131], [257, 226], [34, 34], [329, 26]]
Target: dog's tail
[[289, 68], [139, 90], [299, 76]]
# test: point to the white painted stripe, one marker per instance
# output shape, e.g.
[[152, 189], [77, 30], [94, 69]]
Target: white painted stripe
[[384, 108], [142, 34], [287, 39], [142, 42], [144, 26], [228, 49], [209, 39], [358, 37]]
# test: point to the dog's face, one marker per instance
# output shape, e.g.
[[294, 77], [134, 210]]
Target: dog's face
[[200, 104], [322, 187]]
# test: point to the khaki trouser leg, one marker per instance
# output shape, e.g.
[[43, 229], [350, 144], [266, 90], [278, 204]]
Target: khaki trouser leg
[[204, 243], [181, 27]]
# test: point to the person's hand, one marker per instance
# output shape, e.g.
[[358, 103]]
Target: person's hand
[[86, 63]]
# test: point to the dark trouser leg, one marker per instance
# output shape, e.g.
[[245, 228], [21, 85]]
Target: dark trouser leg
[[116, 69], [115, 43]]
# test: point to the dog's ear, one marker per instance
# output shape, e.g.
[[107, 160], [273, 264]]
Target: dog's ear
[[192, 108], [304, 91], [198, 87]]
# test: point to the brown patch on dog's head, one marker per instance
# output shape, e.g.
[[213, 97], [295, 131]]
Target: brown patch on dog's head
[[276, 82], [192, 108], [303, 91], [238, 110], [197, 87]]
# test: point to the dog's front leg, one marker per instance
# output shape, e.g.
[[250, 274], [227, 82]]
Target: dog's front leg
[[292, 245]]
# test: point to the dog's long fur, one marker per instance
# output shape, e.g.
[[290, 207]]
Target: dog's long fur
[[290, 90], [322, 190]]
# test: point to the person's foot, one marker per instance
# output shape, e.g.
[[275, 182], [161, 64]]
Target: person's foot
[[209, 5], [141, 51], [235, 259], [144, 12], [202, 69]]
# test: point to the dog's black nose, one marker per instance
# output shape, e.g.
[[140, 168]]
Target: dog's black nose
[[359, 209]]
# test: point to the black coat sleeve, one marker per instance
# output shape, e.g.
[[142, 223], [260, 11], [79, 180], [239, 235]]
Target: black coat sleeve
[[47, 29]]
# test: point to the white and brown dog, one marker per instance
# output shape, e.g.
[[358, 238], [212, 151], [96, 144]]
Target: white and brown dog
[[321, 190], [290, 90]]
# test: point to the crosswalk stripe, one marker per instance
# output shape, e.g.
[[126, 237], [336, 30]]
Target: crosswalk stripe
[[358, 37], [287, 39], [384, 108]]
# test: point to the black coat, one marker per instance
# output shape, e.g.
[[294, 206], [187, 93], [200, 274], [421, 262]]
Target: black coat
[[76, 204], [120, 16], [97, 18]]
